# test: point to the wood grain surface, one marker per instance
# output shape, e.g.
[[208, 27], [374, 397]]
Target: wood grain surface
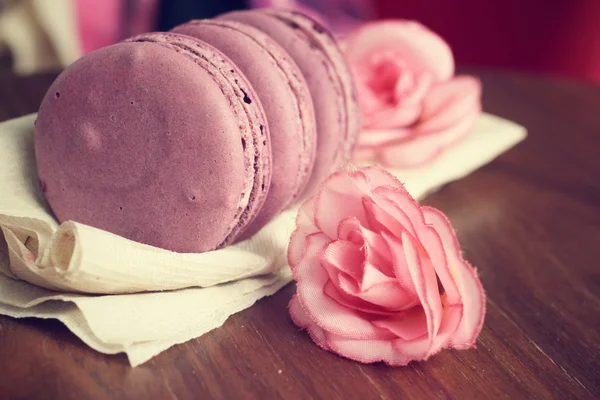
[[530, 222]]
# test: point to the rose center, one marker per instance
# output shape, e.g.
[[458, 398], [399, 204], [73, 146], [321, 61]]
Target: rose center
[[388, 78]]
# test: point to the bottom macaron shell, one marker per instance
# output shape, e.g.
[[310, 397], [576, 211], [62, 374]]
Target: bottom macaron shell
[[125, 141]]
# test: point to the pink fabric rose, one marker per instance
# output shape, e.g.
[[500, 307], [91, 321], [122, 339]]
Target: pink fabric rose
[[412, 106], [380, 278]]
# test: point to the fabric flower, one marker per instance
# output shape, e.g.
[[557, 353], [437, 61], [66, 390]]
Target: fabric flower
[[412, 106], [380, 278]]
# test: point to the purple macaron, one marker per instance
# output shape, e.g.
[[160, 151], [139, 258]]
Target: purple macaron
[[160, 139]]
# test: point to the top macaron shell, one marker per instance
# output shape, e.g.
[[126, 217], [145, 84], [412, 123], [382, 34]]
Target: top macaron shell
[[285, 97], [125, 141], [328, 77]]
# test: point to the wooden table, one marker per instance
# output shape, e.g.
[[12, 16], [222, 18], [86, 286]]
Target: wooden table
[[530, 222]]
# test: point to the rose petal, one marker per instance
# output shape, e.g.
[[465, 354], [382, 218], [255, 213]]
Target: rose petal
[[369, 103], [422, 49], [392, 116], [407, 325], [305, 219], [302, 320], [392, 352], [422, 85], [340, 197], [344, 263], [469, 286], [374, 138], [448, 102], [432, 243], [366, 351], [390, 296], [450, 323], [389, 92], [423, 278], [400, 205], [351, 230], [375, 248], [395, 221], [372, 277], [342, 294], [424, 148], [298, 314], [343, 256], [346, 287], [304, 227], [378, 176], [322, 310], [363, 155], [379, 290]]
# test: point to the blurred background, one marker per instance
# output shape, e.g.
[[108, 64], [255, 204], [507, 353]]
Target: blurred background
[[558, 37]]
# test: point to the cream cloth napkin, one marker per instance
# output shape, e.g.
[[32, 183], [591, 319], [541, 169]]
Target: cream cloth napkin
[[52, 271]]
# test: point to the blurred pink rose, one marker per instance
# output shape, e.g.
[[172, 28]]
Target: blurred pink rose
[[380, 278], [412, 105]]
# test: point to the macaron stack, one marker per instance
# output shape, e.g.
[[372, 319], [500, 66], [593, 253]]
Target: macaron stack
[[194, 139]]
